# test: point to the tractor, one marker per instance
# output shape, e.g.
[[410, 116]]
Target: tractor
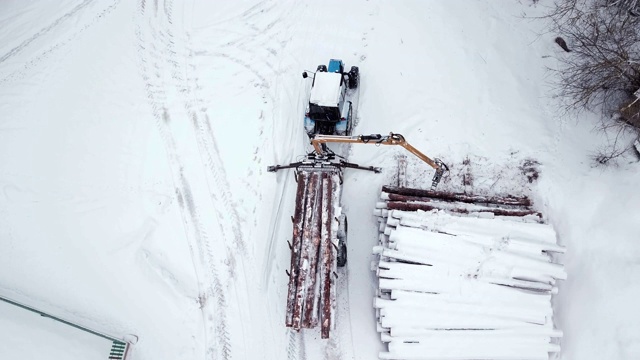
[[332, 100]]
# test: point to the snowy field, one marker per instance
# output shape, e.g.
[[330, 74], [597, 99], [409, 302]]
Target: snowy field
[[134, 141]]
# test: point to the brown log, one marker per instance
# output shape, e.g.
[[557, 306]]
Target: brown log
[[435, 201], [326, 258], [298, 220], [327, 296], [396, 205], [450, 196], [307, 228], [316, 223], [455, 206], [334, 265]]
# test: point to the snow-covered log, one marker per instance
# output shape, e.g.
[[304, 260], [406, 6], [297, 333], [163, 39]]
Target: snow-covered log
[[395, 194], [311, 297], [408, 199], [453, 286], [327, 292]]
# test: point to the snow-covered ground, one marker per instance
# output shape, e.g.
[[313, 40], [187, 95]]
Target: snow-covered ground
[[27, 335], [135, 135]]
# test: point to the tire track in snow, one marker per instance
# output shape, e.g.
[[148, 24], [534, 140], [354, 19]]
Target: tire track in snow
[[255, 38], [244, 48], [219, 186], [20, 73], [216, 178], [216, 290], [296, 349], [45, 30], [296, 346], [152, 61], [220, 192]]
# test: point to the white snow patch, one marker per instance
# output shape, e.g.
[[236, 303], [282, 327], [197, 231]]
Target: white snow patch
[[326, 89]]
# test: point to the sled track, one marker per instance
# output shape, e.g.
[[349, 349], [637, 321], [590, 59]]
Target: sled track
[[209, 283]]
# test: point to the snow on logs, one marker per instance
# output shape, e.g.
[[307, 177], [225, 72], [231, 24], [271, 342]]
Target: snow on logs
[[311, 297], [464, 277]]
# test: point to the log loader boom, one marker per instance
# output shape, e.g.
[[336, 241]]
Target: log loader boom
[[376, 139]]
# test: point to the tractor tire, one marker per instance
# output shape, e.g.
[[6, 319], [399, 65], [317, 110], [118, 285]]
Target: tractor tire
[[342, 241], [342, 254], [354, 77], [343, 226], [322, 68]]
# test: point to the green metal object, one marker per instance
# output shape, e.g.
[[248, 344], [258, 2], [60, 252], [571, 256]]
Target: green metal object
[[118, 347]]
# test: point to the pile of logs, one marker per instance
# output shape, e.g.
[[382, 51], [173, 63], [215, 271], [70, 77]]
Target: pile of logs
[[311, 297], [408, 199], [464, 277]]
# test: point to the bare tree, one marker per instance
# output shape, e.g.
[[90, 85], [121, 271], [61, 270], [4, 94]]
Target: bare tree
[[603, 69]]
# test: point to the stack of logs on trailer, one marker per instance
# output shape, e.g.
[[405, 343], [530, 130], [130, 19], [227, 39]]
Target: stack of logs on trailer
[[311, 297]]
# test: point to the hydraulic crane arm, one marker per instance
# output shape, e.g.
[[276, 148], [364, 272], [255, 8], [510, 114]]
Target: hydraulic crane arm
[[377, 139]]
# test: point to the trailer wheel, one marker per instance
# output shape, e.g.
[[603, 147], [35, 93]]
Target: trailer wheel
[[354, 77], [342, 254], [342, 241]]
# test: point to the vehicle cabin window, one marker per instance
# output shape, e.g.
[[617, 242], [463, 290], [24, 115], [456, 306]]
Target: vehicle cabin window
[[324, 113]]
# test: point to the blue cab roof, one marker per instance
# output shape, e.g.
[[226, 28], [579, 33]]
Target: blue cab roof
[[334, 65]]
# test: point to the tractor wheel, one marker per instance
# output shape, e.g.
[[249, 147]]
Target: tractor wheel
[[342, 254], [354, 77], [342, 241], [322, 68]]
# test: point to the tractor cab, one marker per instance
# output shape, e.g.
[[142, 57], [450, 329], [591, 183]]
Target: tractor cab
[[330, 109]]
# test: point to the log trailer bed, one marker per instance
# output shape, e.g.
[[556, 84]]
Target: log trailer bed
[[311, 296], [318, 245]]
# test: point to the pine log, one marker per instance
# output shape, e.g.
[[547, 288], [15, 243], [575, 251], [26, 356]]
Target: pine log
[[307, 229], [396, 205], [449, 196], [298, 220], [326, 259], [310, 311], [424, 199]]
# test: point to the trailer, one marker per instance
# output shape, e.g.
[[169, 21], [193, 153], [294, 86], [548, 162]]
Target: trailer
[[319, 241], [315, 248]]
